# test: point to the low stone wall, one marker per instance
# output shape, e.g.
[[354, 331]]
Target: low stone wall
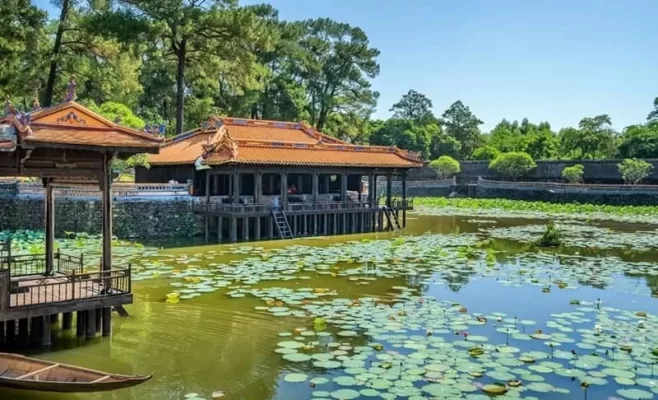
[[557, 193], [133, 218], [437, 188], [603, 171]]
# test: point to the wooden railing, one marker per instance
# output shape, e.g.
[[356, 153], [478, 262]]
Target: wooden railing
[[72, 287], [266, 208], [35, 264]]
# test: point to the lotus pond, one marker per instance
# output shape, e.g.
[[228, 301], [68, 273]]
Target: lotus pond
[[458, 307]]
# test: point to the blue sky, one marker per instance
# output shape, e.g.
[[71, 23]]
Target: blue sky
[[553, 60]]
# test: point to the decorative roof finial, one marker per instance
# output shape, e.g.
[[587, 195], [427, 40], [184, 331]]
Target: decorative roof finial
[[36, 106], [9, 107], [71, 94]]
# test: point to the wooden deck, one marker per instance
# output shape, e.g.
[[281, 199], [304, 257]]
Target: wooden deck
[[37, 290]]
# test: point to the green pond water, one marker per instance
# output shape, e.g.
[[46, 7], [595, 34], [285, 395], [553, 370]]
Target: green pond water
[[451, 305]]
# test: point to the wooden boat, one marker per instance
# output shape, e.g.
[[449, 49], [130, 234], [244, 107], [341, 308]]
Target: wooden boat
[[20, 372]]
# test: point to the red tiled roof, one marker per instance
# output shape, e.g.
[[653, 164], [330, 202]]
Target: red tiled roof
[[71, 124], [231, 140]]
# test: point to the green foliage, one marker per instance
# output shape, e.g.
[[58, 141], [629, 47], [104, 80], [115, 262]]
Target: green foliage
[[536, 206], [445, 167], [513, 165], [633, 171], [22, 48], [118, 113], [594, 139], [413, 105], [487, 153], [552, 237], [639, 141], [574, 174], [653, 115], [462, 125]]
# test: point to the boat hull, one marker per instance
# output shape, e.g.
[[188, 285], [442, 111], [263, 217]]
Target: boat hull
[[23, 373]]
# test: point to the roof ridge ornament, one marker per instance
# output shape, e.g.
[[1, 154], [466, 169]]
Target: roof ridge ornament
[[71, 90], [9, 107]]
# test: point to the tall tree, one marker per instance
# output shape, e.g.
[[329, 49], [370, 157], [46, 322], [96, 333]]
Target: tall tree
[[413, 105], [639, 141], [219, 39], [594, 139], [65, 7], [336, 68], [461, 124], [653, 115], [22, 40]]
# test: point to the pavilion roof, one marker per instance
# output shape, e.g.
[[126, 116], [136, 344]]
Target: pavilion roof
[[221, 141], [71, 125]]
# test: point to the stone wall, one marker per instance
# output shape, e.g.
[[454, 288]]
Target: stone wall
[[509, 190], [547, 171], [133, 218]]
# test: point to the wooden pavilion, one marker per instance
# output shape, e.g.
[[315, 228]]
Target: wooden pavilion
[[267, 179], [63, 144]]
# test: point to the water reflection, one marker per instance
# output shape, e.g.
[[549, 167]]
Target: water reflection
[[217, 343]]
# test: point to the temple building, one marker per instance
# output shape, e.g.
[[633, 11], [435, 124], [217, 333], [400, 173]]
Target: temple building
[[265, 179], [62, 145]]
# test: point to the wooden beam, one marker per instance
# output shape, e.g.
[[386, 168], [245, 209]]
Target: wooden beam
[[106, 188], [50, 227], [44, 369]]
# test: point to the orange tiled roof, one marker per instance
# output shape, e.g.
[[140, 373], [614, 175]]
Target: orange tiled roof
[[71, 124], [242, 141]]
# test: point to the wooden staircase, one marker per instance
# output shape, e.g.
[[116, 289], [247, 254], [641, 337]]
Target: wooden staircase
[[392, 218], [282, 225]]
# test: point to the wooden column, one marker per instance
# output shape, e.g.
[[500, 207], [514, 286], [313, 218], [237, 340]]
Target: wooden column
[[335, 224], [316, 186], [270, 226], [90, 319], [325, 225], [233, 236], [389, 190], [207, 187], [245, 228], [305, 224], [258, 187], [107, 235], [46, 332], [372, 191], [5, 288], [294, 225], [50, 227], [67, 321], [257, 228], [284, 191], [2, 332], [23, 330], [343, 188], [11, 331], [315, 224], [215, 185], [220, 220], [404, 200], [236, 187], [80, 324]]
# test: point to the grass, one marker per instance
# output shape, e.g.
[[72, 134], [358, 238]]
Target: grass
[[552, 237], [534, 206]]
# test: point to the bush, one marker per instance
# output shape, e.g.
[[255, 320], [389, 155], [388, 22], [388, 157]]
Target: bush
[[552, 237], [633, 171], [513, 165], [485, 153], [445, 167], [574, 174]]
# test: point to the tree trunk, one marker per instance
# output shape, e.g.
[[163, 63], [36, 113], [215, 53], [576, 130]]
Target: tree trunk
[[52, 74], [180, 86]]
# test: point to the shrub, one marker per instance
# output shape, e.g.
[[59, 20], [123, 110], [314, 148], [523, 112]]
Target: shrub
[[445, 167], [552, 237], [633, 171], [487, 153], [513, 165], [574, 174]]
